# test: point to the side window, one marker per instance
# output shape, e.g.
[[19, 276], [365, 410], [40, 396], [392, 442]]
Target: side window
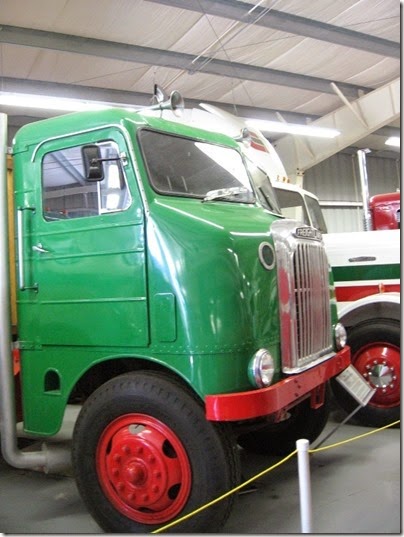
[[67, 194]]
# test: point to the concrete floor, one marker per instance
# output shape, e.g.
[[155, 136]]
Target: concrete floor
[[355, 489]]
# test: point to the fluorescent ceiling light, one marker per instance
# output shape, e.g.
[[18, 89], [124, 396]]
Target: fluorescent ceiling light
[[292, 128], [394, 141], [76, 105], [49, 103]]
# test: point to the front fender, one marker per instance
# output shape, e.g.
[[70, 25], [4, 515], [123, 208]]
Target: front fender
[[383, 305]]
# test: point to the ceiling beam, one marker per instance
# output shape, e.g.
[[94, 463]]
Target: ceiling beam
[[167, 58], [356, 121], [286, 22], [139, 99], [136, 99]]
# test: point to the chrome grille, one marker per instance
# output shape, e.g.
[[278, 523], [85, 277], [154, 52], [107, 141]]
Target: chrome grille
[[304, 297]]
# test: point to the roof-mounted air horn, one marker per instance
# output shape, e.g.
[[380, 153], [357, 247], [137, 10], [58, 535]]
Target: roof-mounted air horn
[[175, 102]]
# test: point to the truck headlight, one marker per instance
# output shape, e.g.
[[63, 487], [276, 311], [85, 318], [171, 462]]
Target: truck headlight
[[340, 336], [261, 368]]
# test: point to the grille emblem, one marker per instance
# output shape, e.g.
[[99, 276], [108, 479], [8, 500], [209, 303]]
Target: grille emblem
[[308, 233]]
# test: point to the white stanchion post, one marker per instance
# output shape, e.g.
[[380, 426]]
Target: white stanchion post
[[304, 485]]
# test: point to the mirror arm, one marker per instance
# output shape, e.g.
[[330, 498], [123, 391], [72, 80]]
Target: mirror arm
[[94, 160]]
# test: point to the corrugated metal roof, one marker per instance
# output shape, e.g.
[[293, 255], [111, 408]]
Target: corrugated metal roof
[[107, 59]]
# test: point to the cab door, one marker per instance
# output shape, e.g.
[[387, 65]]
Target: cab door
[[84, 248]]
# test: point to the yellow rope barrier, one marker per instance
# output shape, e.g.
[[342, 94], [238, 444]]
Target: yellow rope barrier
[[226, 495], [354, 438], [266, 471]]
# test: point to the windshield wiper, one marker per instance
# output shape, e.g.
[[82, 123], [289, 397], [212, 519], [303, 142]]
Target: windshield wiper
[[221, 193]]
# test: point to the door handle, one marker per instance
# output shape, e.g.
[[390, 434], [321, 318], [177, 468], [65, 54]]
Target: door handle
[[39, 248], [362, 259]]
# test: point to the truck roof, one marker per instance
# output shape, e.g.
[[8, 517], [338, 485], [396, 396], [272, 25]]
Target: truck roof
[[77, 122], [294, 188], [384, 198]]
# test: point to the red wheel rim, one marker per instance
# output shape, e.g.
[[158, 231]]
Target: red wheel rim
[[379, 363], [143, 469]]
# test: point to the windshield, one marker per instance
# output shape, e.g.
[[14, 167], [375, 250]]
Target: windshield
[[184, 167], [317, 217], [292, 205], [263, 187], [304, 208]]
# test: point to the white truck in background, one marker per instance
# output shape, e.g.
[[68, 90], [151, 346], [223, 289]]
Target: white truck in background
[[366, 270], [365, 264]]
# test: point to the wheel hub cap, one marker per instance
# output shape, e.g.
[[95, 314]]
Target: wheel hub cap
[[379, 363], [143, 469], [381, 376], [137, 469]]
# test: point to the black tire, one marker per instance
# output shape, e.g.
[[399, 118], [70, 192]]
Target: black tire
[[280, 438], [144, 454], [370, 342]]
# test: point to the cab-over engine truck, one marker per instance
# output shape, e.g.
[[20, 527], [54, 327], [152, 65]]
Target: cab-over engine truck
[[156, 292]]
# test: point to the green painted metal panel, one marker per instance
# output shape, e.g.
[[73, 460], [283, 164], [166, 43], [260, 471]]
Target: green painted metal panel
[[367, 272], [165, 319], [207, 256]]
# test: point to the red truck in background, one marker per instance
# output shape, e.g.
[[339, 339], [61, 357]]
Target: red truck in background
[[385, 210]]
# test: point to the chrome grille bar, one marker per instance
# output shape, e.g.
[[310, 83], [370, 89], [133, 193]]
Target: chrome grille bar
[[313, 317], [305, 313]]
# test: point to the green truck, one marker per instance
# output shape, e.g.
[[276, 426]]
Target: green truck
[[154, 290]]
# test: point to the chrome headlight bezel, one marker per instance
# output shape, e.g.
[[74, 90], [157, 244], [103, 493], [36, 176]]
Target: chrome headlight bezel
[[261, 368], [340, 336]]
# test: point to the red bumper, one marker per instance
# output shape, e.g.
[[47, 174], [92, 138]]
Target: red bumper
[[256, 403]]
